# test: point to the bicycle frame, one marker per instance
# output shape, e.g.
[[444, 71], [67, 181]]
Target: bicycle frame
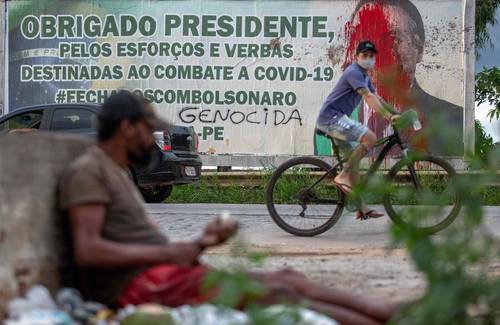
[[308, 196], [389, 142]]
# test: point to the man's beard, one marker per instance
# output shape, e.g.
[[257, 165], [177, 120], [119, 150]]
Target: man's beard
[[144, 156]]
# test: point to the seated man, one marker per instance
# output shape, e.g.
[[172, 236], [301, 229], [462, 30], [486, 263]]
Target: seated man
[[122, 258]]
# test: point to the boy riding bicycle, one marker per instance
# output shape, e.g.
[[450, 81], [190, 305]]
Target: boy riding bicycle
[[355, 84]]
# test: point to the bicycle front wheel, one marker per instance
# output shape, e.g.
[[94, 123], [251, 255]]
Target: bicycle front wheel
[[423, 194], [301, 197]]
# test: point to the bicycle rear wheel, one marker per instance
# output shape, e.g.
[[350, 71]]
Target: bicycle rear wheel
[[422, 194], [301, 197]]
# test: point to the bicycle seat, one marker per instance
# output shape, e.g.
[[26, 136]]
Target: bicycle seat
[[335, 144]]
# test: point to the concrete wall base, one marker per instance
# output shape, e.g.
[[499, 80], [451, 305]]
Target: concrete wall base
[[30, 166]]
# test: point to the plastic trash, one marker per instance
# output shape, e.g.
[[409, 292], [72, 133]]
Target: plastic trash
[[69, 299], [17, 307], [285, 315], [42, 317], [219, 315], [208, 315], [40, 298], [150, 314], [94, 307], [125, 311], [38, 308]]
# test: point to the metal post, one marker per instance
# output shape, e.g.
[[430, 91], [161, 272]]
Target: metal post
[[469, 14], [3, 44]]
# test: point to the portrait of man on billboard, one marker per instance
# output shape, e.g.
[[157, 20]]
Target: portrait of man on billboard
[[397, 29]]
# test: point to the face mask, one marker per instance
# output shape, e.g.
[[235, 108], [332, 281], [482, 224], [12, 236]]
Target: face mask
[[368, 63]]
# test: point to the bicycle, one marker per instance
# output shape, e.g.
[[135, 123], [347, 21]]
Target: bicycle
[[305, 184]]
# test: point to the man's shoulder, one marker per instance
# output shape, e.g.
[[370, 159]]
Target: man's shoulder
[[88, 162], [84, 181]]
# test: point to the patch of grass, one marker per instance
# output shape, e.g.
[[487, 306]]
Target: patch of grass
[[491, 195], [214, 189]]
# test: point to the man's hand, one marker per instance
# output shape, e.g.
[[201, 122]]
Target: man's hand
[[217, 232], [184, 254]]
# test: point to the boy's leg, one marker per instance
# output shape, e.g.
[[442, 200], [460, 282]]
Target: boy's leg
[[350, 174], [349, 130]]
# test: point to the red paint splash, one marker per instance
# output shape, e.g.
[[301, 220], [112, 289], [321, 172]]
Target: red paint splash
[[373, 22]]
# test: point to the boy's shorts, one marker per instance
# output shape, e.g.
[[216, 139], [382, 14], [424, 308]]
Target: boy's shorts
[[346, 132]]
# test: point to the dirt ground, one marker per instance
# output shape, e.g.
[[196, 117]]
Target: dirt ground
[[352, 256]]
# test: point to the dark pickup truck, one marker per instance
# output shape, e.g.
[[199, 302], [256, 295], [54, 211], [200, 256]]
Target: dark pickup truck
[[175, 158]]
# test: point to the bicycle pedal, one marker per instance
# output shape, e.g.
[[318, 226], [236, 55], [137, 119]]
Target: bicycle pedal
[[361, 216]]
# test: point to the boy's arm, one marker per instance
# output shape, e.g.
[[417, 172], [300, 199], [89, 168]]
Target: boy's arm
[[388, 106], [376, 103]]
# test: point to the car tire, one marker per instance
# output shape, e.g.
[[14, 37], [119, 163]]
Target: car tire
[[156, 194]]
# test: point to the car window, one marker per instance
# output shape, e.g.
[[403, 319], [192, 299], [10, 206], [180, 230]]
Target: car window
[[74, 119], [24, 121]]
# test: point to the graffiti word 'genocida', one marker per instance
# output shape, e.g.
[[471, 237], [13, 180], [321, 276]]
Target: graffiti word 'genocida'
[[264, 116]]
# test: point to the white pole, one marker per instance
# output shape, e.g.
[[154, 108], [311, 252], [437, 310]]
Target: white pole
[[469, 74], [3, 44]]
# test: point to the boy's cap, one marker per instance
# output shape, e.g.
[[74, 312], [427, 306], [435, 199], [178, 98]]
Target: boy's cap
[[364, 46]]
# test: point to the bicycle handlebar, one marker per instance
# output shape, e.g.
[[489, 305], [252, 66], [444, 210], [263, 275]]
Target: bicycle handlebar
[[407, 119]]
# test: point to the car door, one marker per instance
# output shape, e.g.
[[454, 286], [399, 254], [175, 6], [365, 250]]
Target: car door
[[26, 121], [78, 120]]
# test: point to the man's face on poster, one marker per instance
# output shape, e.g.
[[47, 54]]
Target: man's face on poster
[[404, 43], [408, 44]]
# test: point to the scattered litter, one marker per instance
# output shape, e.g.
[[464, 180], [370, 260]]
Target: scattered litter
[[69, 308], [219, 315], [17, 307], [39, 308], [42, 317], [39, 297], [150, 314]]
